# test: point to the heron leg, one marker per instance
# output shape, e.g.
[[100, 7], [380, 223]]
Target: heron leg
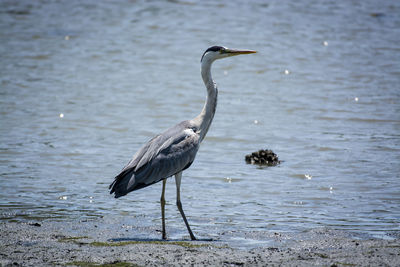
[[178, 178], [162, 201]]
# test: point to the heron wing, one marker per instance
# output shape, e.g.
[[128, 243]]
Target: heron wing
[[163, 156]]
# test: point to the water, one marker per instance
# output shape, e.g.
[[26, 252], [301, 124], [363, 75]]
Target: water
[[84, 85]]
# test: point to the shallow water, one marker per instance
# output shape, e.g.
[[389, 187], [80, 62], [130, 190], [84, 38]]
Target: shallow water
[[83, 86]]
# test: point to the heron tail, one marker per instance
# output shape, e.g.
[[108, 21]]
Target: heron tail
[[120, 184]]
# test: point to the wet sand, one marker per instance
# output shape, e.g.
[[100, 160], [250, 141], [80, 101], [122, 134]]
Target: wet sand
[[101, 243]]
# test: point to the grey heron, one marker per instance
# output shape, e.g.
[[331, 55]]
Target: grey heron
[[174, 150]]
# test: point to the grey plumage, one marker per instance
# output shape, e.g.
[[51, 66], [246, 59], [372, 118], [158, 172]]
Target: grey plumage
[[162, 157]]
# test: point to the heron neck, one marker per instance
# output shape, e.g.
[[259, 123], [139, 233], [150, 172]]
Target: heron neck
[[204, 119]]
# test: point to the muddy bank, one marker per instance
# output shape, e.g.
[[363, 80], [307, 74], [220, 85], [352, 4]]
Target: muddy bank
[[94, 243]]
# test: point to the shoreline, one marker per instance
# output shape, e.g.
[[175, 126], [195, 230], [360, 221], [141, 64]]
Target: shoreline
[[98, 243]]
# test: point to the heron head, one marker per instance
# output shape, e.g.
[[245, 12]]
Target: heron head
[[218, 52]]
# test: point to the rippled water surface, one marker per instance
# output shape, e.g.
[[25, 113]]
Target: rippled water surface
[[84, 84]]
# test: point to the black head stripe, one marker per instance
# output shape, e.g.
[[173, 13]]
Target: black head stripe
[[213, 49]]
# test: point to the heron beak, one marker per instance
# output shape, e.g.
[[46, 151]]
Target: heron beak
[[234, 52]]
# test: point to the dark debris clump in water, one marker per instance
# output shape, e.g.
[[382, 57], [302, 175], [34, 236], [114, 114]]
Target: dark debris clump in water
[[263, 157]]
